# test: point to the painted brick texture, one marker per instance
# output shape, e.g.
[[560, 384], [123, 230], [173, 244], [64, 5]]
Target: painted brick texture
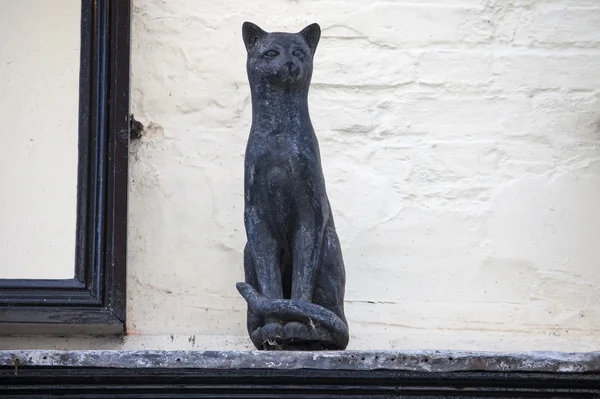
[[461, 145], [461, 148]]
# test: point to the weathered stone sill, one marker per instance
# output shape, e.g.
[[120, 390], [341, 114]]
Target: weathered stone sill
[[425, 361]]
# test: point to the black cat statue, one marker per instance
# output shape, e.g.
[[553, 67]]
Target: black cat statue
[[294, 271]]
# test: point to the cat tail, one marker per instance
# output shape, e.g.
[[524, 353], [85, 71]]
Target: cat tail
[[294, 310]]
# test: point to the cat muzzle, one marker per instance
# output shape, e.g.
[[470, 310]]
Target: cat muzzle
[[293, 69]]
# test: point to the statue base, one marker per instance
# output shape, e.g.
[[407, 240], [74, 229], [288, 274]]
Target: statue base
[[293, 336]]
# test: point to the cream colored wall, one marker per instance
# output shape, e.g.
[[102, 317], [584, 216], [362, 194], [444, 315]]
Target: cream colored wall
[[461, 147], [39, 97]]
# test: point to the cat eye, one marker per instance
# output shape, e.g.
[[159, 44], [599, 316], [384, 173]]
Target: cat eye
[[272, 53], [298, 53]]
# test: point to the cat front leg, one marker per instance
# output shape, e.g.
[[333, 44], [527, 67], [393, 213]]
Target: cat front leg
[[307, 244], [266, 257]]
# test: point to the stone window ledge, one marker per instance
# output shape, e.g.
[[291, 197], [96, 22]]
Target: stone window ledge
[[414, 361]]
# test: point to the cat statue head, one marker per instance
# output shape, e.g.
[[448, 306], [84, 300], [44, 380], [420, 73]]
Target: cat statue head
[[280, 59]]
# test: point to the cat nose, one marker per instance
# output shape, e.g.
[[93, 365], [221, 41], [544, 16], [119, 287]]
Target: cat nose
[[291, 66]]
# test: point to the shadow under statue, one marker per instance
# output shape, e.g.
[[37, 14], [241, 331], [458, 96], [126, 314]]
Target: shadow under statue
[[294, 271]]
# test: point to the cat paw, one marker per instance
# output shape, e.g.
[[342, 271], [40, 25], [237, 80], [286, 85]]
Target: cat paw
[[294, 331], [272, 333], [291, 336], [256, 337]]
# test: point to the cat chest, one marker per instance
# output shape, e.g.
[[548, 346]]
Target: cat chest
[[283, 151], [281, 171], [281, 160]]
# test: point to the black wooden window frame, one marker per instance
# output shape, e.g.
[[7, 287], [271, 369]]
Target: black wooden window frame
[[96, 295]]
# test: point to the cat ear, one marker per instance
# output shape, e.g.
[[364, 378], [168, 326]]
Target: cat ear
[[312, 34], [251, 33]]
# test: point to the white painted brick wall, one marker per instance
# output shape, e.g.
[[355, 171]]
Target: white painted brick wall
[[461, 146]]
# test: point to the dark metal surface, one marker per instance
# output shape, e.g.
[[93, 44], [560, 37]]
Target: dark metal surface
[[97, 293], [294, 269], [25, 382], [136, 128]]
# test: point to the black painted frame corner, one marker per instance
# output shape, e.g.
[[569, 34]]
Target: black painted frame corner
[[94, 300]]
